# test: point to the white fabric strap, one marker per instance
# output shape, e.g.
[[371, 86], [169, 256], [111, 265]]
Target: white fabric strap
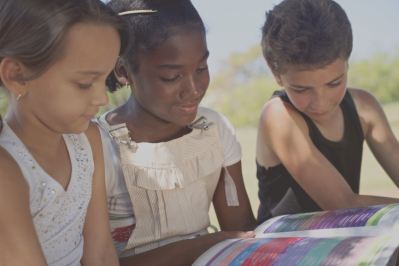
[[230, 189]]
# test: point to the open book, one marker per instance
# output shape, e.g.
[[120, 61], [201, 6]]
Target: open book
[[359, 236]]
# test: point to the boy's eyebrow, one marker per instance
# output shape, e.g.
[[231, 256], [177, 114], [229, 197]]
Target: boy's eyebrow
[[309, 87], [337, 78], [300, 86], [175, 66]]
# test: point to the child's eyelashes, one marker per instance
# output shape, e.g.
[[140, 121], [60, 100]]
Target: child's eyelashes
[[202, 69], [304, 90], [334, 84], [171, 79], [176, 77], [84, 86], [299, 91]]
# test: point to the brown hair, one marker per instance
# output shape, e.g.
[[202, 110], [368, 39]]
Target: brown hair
[[305, 34], [32, 31]]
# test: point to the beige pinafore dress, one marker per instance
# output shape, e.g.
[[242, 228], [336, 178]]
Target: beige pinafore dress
[[170, 184]]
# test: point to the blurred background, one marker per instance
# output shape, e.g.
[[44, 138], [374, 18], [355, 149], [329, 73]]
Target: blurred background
[[241, 82]]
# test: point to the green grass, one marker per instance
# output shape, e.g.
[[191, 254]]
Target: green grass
[[374, 181]]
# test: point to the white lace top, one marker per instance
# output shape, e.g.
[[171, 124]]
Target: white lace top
[[58, 215]]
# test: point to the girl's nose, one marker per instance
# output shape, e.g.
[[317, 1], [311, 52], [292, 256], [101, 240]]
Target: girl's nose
[[191, 88], [100, 97]]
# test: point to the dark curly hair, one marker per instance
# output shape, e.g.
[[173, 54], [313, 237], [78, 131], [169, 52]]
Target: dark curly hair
[[148, 30]]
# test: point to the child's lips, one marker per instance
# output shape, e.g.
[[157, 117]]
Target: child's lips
[[317, 114], [89, 116], [188, 108]]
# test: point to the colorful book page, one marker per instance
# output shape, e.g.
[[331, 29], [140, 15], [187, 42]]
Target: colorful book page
[[343, 218], [304, 251]]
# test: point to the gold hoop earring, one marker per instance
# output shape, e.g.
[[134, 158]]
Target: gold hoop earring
[[19, 96]]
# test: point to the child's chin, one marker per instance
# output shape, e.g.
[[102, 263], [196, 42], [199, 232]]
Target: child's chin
[[78, 130], [189, 120]]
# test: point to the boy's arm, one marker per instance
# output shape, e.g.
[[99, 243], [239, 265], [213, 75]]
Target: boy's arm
[[285, 133], [98, 246], [239, 217], [19, 244], [378, 133]]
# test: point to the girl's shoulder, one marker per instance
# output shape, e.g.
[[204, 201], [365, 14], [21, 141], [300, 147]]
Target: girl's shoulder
[[211, 115], [94, 142], [214, 118], [11, 177], [7, 162], [93, 133]]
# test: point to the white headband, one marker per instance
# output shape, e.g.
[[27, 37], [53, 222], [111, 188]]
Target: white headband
[[140, 11]]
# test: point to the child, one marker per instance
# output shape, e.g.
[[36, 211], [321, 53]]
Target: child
[[176, 157], [310, 134], [55, 56]]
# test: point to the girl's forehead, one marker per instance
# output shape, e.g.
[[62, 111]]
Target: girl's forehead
[[89, 46], [164, 36], [180, 43]]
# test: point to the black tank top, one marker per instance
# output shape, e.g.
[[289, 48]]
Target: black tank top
[[279, 193]]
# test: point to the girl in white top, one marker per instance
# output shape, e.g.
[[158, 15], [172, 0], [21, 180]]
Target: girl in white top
[[167, 159], [54, 59]]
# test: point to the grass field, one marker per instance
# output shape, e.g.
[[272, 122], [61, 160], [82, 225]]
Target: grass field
[[374, 180]]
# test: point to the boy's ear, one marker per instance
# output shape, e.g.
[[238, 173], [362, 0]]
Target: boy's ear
[[120, 72], [12, 73]]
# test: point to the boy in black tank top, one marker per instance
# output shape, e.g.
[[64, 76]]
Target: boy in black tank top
[[310, 134]]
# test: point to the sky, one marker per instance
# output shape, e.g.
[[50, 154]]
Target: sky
[[234, 25]]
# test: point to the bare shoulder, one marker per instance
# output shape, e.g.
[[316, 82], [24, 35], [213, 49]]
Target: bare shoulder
[[366, 104], [9, 169], [369, 109], [281, 127], [279, 117], [94, 136], [11, 177], [93, 133], [363, 99]]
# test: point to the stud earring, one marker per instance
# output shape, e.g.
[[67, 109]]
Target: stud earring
[[126, 86]]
